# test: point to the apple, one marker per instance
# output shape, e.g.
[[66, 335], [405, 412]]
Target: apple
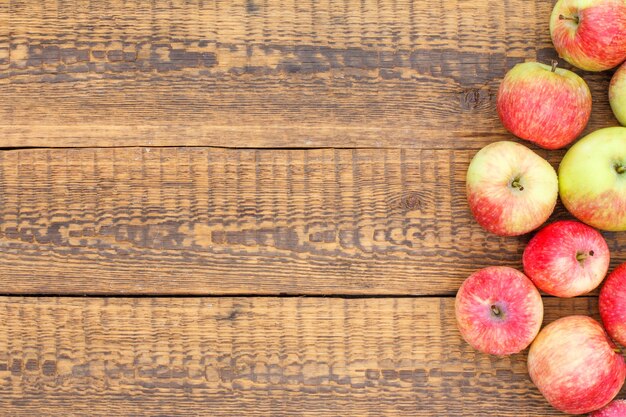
[[613, 304], [566, 259], [617, 94], [510, 189], [592, 179], [590, 34], [616, 408], [498, 310], [546, 105], [575, 365]]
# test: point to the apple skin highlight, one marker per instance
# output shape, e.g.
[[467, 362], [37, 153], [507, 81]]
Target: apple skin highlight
[[576, 367], [545, 105], [498, 310], [566, 259], [590, 34], [613, 304]]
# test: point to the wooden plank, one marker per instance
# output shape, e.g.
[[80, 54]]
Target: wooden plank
[[216, 221], [5, 42], [255, 357], [251, 73]]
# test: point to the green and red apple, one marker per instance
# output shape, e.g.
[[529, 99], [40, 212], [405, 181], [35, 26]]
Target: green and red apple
[[613, 304], [498, 310], [575, 365], [590, 34], [617, 94], [546, 105], [592, 179], [510, 189], [566, 259]]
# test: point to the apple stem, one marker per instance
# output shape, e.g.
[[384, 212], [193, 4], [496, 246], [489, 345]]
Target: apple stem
[[554, 65], [495, 310], [581, 256], [620, 168], [572, 18], [516, 184]]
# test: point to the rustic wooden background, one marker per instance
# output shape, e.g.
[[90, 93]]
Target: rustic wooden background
[[222, 208]]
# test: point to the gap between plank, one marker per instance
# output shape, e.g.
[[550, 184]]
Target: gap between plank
[[276, 148], [244, 295], [235, 295]]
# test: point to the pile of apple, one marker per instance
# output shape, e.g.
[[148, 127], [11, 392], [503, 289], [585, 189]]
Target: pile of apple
[[512, 191]]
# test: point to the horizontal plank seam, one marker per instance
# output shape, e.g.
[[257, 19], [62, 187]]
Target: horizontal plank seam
[[243, 295], [8, 149], [234, 295]]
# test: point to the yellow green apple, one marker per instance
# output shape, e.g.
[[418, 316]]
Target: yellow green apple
[[592, 179], [617, 94]]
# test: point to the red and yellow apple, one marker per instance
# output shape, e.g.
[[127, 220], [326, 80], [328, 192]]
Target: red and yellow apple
[[613, 304], [592, 179], [590, 34], [575, 365], [498, 310], [616, 408], [566, 259], [617, 94], [546, 105], [510, 189]]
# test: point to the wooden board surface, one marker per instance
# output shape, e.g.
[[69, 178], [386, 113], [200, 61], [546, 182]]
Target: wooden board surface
[[137, 215], [215, 221], [255, 357], [266, 73]]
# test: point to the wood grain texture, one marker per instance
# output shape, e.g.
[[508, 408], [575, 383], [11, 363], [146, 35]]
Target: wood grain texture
[[266, 73], [215, 221], [255, 357]]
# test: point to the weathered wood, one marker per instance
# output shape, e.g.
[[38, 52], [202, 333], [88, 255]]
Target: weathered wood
[[215, 221], [255, 74], [255, 357], [421, 73]]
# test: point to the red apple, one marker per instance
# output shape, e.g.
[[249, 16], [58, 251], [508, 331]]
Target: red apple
[[575, 365], [616, 408], [566, 259], [590, 34], [613, 304], [511, 190], [498, 310], [546, 105]]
